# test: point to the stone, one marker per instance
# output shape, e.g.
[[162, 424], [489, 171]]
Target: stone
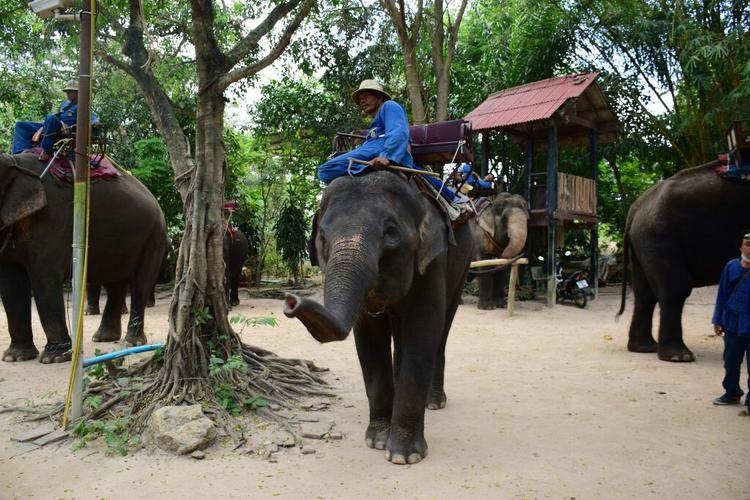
[[33, 433], [335, 436], [182, 429], [23, 448], [284, 439], [307, 418], [52, 437], [273, 448], [315, 430], [198, 455], [308, 450]]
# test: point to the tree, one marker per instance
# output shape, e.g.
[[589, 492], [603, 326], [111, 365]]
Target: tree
[[435, 20], [200, 337]]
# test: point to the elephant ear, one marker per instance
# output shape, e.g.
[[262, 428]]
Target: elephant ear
[[312, 251], [433, 237], [486, 222], [24, 196]]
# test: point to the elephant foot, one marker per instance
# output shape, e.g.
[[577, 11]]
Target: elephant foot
[[56, 353], [151, 302], [376, 435], [91, 310], [234, 302], [642, 345], [106, 335], [436, 399], [680, 354], [404, 448], [488, 305], [20, 353], [136, 340]]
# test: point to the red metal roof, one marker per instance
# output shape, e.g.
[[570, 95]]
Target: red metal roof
[[528, 103]]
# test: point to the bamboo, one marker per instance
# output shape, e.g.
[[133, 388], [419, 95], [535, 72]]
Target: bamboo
[[497, 262]]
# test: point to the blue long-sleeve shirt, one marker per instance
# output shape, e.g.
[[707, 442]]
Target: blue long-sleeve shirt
[[732, 310], [69, 114]]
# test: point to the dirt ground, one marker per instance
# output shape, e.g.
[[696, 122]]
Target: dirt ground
[[547, 404]]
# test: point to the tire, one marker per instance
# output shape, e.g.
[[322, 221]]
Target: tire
[[579, 297]]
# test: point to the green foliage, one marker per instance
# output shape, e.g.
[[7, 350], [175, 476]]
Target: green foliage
[[115, 432], [97, 371], [202, 315], [291, 233], [155, 171], [239, 319]]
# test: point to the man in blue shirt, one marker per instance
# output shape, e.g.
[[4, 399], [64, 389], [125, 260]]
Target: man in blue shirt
[[387, 140], [732, 319], [53, 127]]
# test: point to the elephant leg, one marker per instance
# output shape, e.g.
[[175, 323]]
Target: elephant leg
[[15, 292], [152, 297], [436, 397], [139, 291], [499, 280], [50, 304], [487, 298], [671, 346], [110, 328], [417, 349], [372, 336], [234, 284], [640, 338], [93, 294]]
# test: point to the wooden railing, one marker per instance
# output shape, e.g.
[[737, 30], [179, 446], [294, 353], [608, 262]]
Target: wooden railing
[[576, 194]]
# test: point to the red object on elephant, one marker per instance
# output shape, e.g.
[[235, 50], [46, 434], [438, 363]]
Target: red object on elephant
[[230, 206]]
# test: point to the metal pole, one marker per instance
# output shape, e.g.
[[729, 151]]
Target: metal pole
[[80, 195], [595, 229], [551, 213]]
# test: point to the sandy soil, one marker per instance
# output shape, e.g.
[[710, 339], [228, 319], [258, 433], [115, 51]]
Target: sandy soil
[[547, 404]]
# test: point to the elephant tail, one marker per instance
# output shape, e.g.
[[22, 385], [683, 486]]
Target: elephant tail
[[625, 261]]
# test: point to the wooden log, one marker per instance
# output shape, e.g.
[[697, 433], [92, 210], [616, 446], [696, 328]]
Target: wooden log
[[497, 262], [512, 288]]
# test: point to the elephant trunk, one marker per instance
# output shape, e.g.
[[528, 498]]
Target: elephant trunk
[[517, 229], [350, 274]]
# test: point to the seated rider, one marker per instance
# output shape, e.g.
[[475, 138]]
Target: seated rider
[[54, 126], [387, 140], [473, 180]]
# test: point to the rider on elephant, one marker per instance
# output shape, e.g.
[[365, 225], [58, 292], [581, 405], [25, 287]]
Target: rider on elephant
[[53, 127], [386, 143]]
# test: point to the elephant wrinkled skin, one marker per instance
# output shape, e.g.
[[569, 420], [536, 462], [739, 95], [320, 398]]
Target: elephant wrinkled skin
[[679, 235], [126, 242], [390, 272], [499, 232]]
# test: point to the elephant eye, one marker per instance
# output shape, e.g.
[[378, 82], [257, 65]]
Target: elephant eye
[[391, 235]]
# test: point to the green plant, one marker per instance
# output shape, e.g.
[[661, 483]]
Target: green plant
[[291, 232], [202, 315], [97, 371], [115, 433]]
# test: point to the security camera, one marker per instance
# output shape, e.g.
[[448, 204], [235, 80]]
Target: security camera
[[47, 8]]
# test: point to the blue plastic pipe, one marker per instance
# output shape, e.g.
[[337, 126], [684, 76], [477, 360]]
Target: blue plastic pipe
[[118, 354]]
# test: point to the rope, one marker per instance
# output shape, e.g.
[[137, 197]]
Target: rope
[[453, 160]]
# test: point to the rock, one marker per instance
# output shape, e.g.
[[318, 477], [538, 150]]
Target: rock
[[308, 450], [335, 436], [307, 418], [52, 437], [34, 433], [182, 429], [315, 431], [23, 448], [273, 448], [198, 455], [284, 439]]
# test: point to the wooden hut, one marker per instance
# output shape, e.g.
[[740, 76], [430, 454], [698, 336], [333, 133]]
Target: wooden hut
[[543, 116]]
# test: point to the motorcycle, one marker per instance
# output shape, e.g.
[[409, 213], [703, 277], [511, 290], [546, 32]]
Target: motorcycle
[[574, 286]]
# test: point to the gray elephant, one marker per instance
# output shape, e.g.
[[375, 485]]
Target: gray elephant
[[499, 231], [679, 235], [126, 244], [236, 250], [394, 269]]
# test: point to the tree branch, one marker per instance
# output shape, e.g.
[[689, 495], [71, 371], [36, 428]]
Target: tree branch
[[275, 52]]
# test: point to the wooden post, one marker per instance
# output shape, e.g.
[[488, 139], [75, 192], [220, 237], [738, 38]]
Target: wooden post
[[551, 212], [513, 275], [595, 230], [512, 289], [529, 167]]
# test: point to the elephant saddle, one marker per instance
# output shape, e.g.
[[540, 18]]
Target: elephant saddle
[[734, 167], [62, 168]]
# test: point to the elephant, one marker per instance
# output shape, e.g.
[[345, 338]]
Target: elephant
[[679, 234], [236, 250], [499, 232], [126, 244], [394, 270]]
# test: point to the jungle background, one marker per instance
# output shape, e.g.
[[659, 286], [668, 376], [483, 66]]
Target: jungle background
[[675, 72]]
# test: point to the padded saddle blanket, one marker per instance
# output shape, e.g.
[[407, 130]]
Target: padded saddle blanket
[[728, 169], [62, 168]]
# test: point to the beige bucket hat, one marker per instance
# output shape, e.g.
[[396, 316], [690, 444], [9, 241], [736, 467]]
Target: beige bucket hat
[[372, 86], [71, 85]]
